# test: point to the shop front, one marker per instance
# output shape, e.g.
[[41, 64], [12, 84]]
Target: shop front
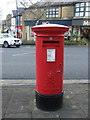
[[82, 27], [19, 31], [28, 34]]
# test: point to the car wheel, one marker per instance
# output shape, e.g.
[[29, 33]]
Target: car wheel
[[6, 45]]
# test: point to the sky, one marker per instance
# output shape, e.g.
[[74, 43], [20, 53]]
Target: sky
[[6, 7]]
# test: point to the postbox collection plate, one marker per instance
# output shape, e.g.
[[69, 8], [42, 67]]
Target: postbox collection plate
[[51, 55]]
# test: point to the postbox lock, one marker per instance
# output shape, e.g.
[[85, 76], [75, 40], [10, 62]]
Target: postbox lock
[[51, 38]]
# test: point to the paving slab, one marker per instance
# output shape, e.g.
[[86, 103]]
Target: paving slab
[[20, 102]]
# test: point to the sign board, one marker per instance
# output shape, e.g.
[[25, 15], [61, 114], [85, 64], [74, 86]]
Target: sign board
[[86, 22], [50, 55], [80, 22]]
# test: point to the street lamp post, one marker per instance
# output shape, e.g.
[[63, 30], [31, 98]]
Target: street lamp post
[[17, 17]]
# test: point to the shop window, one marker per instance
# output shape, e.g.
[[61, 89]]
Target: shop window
[[52, 12], [86, 33]]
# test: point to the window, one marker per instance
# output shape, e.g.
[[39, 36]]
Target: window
[[87, 14], [82, 4], [76, 14], [77, 5], [87, 10], [82, 9], [88, 4], [1, 37], [52, 12], [81, 14], [79, 9]]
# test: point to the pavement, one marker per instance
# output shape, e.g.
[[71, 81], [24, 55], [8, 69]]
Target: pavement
[[18, 101]]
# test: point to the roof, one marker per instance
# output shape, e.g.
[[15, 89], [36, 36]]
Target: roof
[[55, 3], [65, 0]]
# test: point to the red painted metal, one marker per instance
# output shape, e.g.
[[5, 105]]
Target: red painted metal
[[49, 58]]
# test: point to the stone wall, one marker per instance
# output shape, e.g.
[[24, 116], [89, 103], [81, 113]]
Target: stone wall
[[67, 12], [31, 14]]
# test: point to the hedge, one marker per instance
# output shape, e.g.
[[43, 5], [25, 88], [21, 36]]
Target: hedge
[[81, 42], [66, 42], [28, 42]]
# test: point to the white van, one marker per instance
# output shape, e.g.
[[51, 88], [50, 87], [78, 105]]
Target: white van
[[7, 40]]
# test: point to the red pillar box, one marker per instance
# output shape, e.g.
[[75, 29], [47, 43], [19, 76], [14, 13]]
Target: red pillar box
[[49, 65]]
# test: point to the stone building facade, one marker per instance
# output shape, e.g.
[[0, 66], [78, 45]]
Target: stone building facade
[[31, 15], [56, 13]]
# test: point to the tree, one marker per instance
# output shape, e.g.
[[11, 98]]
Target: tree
[[35, 9], [8, 20], [0, 19]]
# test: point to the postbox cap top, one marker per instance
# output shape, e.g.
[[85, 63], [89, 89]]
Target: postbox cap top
[[50, 25]]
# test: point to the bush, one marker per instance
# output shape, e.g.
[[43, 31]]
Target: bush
[[81, 42], [3, 31], [66, 42], [28, 42]]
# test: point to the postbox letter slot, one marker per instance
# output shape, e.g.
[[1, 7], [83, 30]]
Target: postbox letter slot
[[50, 41]]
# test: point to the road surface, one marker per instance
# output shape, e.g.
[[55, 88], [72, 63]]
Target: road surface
[[19, 63]]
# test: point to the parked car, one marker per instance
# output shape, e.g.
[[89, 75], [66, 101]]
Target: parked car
[[67, 36], [7, 40]]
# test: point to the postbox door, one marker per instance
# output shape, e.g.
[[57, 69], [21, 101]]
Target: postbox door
[[54, 77]]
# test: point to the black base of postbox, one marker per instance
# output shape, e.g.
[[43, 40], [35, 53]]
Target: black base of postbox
[[49, 102]]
